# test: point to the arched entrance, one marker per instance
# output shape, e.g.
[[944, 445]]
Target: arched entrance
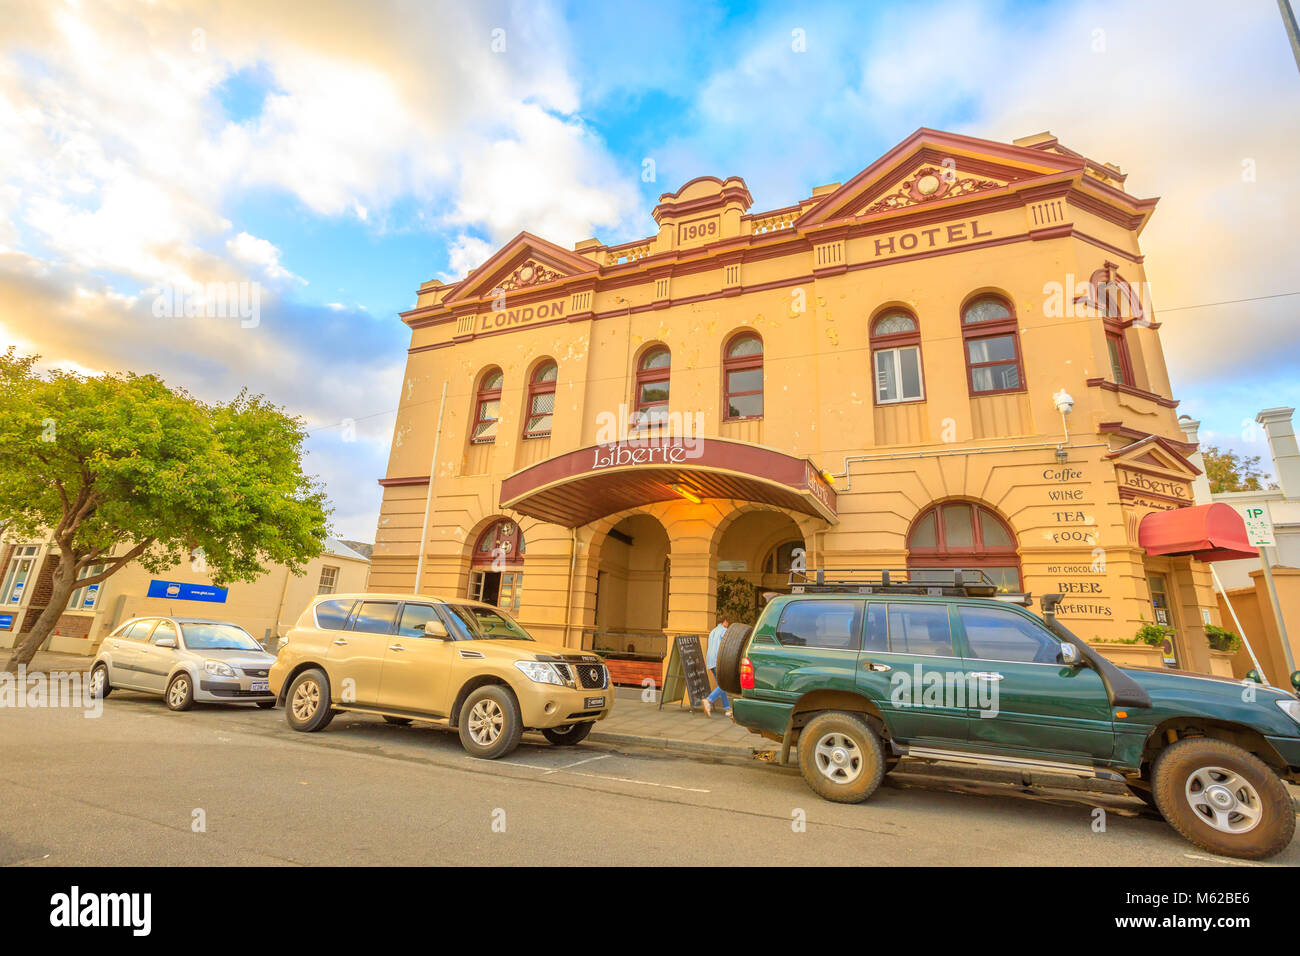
[[964, 534], [630, 607], [496, 565], [755, 554]]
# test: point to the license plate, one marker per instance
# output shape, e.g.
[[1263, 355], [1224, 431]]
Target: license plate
[[593, 702], [262, 685]]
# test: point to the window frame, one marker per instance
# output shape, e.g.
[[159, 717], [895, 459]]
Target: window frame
[[978, 556], [77, 601], [22, 552], [332, 588], [482, 396], [741, 363], [651, 376], [895, 343], [859, 619], [537, 388], [969, 652], [997, 328], [1123, 375]]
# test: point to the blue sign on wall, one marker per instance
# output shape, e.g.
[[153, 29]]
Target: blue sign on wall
[[180, 591], [6, 622]]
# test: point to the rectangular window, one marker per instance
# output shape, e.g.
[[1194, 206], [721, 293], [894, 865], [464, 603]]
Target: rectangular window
[[898, 375], [485, 428], [994, 634], [329, 581], [512, 587], [333, 615], [16, 576], [830, 624], [920, 629], [994, 366], [1120, 367], [375, 617], [414, 617], [83, 598], [541, 408]]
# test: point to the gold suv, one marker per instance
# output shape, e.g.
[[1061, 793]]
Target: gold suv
[[462, 664]]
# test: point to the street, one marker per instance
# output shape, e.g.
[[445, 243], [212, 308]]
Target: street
[[134, 785]]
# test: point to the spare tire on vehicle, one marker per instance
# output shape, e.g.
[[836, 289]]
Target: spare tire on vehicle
[[729, 656]]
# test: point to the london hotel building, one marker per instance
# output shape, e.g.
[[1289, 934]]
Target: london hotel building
[[944, 362]]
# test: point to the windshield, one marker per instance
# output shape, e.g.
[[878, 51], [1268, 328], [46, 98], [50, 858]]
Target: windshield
[[481, 623], [218, 637]]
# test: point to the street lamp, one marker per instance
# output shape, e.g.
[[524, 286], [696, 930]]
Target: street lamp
[[1064, 404]]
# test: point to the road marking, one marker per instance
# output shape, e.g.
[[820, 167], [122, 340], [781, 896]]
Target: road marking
[[1221, 860], [605, 776], [578, 763]]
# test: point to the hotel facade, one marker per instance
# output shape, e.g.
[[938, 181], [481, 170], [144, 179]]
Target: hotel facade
[[945, 362]]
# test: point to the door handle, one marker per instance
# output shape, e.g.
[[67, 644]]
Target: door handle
[[878, 668], [340, 641], [986, 675], [396, 647]]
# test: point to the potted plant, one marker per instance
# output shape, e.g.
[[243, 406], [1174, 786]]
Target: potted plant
[[1153, 634], [1222, 640]]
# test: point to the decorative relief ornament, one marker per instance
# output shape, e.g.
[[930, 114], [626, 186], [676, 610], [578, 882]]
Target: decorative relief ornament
[[528, 274], [929, 183]]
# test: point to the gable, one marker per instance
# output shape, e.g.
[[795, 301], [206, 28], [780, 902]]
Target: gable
[[525, 261], [1156, 455]]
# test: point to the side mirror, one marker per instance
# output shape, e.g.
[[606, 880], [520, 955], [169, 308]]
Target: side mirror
[[436, 628], [166, 642], [1069, 654]]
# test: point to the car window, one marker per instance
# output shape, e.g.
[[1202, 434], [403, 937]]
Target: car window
[[920, 629], [333, 615], [832, 624], [164, 629], [876, 637], [996, 634], [471, 622], [375, 617], [218, 637], [414, 617], [137, 631]]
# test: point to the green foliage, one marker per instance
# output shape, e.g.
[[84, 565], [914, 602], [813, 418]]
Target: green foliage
[[115, 464], [1221, 640], [1153, 634], [736, 600], [1228, 471]]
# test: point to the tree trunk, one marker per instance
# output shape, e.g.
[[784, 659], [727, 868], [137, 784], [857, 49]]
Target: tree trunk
[[29, 643]]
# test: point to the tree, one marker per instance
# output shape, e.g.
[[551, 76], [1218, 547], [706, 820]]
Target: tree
[[1228, 471], [121, 468]]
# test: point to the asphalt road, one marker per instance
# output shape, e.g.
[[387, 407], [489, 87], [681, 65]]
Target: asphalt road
[[128, 787]]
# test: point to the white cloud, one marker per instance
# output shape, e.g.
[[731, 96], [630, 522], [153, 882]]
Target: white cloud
[[262, 253], [465, 254]]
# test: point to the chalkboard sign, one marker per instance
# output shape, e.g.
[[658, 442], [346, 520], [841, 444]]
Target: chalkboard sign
[[686, 671]]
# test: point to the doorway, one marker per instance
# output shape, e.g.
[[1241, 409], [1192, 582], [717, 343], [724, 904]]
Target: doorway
[[1163, 614]]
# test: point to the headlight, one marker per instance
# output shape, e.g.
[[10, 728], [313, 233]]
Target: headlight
[[541, 672], [218, 668], [1291, 708]]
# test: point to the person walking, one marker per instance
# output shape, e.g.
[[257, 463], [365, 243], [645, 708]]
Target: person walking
[[711, 661]]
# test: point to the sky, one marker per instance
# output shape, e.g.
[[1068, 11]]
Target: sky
[[340, 154]]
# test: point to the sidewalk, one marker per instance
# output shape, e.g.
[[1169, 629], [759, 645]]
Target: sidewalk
[[635, 722]]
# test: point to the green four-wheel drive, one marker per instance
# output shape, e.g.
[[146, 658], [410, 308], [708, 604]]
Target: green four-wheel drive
[[860, 672]]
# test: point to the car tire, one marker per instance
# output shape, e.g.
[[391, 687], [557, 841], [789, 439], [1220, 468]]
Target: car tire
[[180, 691], [729, 656], [397, 721], [307, 703], [265, 704], [100, 688], [841, 757], [570, 735], [490, 723], [1223, 798]]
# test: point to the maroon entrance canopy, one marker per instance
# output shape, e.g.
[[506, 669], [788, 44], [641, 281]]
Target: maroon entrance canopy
[[1206, 532], [580, 486]]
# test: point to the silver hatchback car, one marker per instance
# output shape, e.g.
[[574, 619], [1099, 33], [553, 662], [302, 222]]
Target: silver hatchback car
[[184, 659]]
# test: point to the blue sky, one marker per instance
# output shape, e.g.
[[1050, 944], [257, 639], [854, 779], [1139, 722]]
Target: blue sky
[[342, 159]]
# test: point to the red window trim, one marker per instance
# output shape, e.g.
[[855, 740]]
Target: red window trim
[[1115, 333], [650, 376], [987, 330], [740, 363], [536, 388], [977, 555], [514, 558], [481, 398], [895, 340]]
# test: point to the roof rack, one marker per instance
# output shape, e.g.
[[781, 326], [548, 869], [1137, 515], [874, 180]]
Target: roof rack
[[931, 582]]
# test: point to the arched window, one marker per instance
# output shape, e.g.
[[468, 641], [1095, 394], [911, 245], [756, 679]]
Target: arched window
[[993, 363], [896, 358], [652, 385], [541, 400], [961, 534], [742, 376], [487, 407], [1120, 307], [496, 565]]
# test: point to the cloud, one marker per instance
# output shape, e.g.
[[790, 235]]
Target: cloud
[[261, 253]]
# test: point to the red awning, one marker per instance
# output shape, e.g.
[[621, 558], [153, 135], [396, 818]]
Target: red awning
[[1206, 532]]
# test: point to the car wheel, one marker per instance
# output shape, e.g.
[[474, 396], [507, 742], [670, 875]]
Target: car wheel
[[841, 757], [490, 723], [729, 655], [568, 735], [100, 688], [1223, 798], [266, 704], [180, 692], [397, 721], [307, 705]]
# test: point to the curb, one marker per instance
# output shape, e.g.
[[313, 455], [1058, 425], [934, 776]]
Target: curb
[[676, 746]]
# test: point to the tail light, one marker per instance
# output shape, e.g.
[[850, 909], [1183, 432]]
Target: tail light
[[746, 674]]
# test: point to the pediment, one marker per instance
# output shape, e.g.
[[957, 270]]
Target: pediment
[[1155, 454], [522, 263], [933, 167]]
